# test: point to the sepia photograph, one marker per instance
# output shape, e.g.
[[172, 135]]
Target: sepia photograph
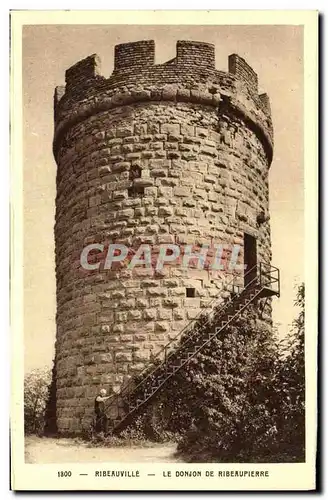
[[165, 309]]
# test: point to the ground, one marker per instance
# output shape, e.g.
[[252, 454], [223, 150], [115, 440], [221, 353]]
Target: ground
[[60, 450]]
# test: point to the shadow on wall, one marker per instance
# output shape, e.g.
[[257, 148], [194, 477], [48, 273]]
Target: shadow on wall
[[50, 428]]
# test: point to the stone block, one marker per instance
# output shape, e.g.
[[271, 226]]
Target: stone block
[[168, 128], [136, 367], [202, 132], [140, 128], [178, 314], [120, 166], [211, 179], [157, 292], [123, 356], [155, 302], [164, 314], [124, 131], [141, 303], [140, 355], [192, 313], [149, 314], [118, 328], [177, 291], [171, 302], [165, 211], [128, 213], [189, 202], [104, 358], [126, 338], [140, 337], [134, 314], [162, 326], [121, 316], [181, 192], [153, 128]]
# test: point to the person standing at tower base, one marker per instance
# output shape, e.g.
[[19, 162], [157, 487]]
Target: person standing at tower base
[[102, 421]]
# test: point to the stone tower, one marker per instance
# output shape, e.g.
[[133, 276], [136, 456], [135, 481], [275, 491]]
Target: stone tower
[[169, 153]]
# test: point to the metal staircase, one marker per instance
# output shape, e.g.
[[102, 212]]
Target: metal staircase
[[211, 321]]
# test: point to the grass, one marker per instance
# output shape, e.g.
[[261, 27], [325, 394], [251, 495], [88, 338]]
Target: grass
[[120, 442]]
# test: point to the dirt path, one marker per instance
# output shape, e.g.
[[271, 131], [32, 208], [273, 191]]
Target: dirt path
[[50, 450]]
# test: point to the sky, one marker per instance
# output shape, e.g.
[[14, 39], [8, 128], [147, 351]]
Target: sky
[[274, 52]]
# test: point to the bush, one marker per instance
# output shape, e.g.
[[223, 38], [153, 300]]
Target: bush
[[36, 385], [134, 432], [241, 399], [253, 409]]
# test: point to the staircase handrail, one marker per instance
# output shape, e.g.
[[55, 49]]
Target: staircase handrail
[[126, 389], [224, 307]]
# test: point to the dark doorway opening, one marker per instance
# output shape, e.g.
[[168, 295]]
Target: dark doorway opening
[[250, 258]]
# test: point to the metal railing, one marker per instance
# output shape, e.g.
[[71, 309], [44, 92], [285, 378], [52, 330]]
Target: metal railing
[[265, 276], [270, 277]]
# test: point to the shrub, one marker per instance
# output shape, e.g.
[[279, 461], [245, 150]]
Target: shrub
[[36, 384], [253, 409], [241, 399]]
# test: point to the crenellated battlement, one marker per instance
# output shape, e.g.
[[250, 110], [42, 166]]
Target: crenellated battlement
[[239, 67], [82, 71], [190, 76], [133, 55], [198, 54], [266, 102], [142, 54]]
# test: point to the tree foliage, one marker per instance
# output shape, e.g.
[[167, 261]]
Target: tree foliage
[[36, 384], [241, 399]]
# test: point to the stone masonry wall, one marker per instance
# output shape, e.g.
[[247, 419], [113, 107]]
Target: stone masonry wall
[[200, 141]]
